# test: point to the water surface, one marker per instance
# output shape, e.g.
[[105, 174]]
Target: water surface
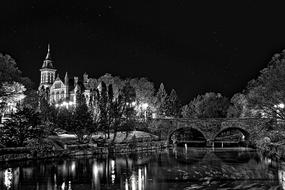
[[181, 168]]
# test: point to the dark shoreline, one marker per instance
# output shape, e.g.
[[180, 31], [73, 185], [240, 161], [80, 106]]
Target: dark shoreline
[[24, 153]]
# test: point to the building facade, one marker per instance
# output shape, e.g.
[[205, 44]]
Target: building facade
[[61, 92]]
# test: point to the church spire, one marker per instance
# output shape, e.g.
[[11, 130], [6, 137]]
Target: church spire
[[48, 60], [47, 71], [48, 57]]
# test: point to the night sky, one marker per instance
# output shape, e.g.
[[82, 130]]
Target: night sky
[[192, 47]]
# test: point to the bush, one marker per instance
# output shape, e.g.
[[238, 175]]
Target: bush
[[40, 146], [133, 143]]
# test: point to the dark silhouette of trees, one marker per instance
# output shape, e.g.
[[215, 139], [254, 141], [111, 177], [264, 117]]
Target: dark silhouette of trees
[[239, 106], [22, 126], [209, 105], [83, 125], [77, 120], [103, 109], [173, 105], [161, 98]]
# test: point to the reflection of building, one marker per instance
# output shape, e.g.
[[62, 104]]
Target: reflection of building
[[60, 92]]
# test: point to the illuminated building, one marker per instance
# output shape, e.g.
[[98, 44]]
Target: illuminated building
[[57, 91]]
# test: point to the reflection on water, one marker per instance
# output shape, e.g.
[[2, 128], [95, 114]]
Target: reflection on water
[[181, 168]]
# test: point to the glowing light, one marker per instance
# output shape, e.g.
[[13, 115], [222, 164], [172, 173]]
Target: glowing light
[[8, 178], [65, 104], [281, 105], [140, 179], [97, 169], [281, 176], [126, 185], [69, 185], [63, 186], [144, 106], [113, 171], [133, 103], [54, 179], [73, 167], [113, 166], [133, 181]]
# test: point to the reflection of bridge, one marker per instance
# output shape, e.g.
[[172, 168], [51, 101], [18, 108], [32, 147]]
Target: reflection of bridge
[[211, 128], [194, 156]]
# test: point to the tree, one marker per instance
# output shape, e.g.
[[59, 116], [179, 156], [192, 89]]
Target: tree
[[192, 110], [8, 70], [83, 125], [215, 106], [24, 125], [239, 106], [31, 100], [209, 105], [128, 96], [48, 112], [145, 95], [144, 90], [102, 104], [110, 108], [65, 119], [12, 84], [124, 112], [14, 94], [173, 105], [266, 94], [77, 120], [161, 97], [115, 81]]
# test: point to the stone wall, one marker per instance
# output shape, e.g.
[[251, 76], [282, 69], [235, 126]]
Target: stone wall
[[210, 128]]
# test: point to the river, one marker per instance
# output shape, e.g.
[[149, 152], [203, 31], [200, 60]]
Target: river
[[181, 168]]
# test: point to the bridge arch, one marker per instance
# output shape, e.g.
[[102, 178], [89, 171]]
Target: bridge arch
[[181, 129], [243, 131]]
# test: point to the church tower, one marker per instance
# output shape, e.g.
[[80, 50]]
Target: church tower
[[47, 72]]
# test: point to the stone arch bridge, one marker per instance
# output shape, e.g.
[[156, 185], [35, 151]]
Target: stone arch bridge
[[212, 127]]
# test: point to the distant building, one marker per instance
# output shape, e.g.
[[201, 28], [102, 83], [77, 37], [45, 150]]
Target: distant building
[[61, 92]]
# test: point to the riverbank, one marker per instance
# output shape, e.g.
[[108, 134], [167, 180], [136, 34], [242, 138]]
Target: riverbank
[[25, 153]]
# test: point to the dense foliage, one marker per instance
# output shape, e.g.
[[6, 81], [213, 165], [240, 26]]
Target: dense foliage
[[209, 105], [77, 120], [12, 84], [22, 126], [266, 94]]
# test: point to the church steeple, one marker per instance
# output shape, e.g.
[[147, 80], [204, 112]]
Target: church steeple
[[47, 71], [48, 57], [48, 63]]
